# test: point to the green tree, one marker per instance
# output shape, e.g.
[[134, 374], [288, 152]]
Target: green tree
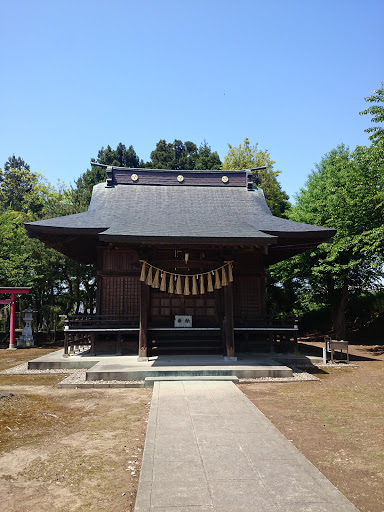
[[16, 266], [21, 189], [246, 156], [119, 157], [207, 159], [377, 112], [59, 285], [177, 155], [83, 186], [15, 163], [345, 192]]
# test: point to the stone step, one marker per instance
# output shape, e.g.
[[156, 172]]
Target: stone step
[[102, 371], [149, 381]]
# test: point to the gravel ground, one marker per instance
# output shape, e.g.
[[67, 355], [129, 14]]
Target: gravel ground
[[298, 375], [22, 369]]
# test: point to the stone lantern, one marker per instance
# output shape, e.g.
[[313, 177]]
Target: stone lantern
[[26, 338]]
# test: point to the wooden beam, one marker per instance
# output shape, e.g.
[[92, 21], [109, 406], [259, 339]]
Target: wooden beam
[[118, 344], [228, 324], [143, 333], [92, 352], [66, 343]]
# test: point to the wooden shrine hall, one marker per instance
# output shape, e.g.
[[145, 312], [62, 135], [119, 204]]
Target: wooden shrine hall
[[180, 259]]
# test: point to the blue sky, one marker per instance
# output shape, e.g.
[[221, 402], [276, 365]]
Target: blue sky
[[290, 75]]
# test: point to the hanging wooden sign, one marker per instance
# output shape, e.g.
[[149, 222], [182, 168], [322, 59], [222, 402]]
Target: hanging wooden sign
[[186, 284]]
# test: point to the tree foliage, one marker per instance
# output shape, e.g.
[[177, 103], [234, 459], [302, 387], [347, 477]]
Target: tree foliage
[[176, 155], [14, 162], [207, 159], [180, 155], [23, 190], [83, 186], [16, 266], [246, 156], [59, 285], [377, 112], [119, 157], [345, 192]]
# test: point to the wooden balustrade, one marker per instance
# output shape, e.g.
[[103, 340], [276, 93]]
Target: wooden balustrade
[[81, 330]]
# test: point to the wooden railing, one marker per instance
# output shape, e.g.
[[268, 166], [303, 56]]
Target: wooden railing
[[100, 321], [80, 330]]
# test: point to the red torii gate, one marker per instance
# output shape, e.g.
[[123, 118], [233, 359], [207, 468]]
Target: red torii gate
[[13, 292]]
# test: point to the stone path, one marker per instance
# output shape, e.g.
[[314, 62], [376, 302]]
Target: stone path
[[208, 448]]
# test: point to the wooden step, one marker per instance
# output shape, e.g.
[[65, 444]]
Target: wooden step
[[182, 343], [188, 345]]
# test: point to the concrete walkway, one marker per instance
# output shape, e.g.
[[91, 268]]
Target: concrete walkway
[[208, 448]]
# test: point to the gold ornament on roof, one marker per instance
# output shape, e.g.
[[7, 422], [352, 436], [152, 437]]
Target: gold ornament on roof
[[180, 178], [225, 179], [134, 177]]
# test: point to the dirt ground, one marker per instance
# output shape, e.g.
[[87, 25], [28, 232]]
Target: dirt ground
[[66, 449], [80, 450], [338, 423]]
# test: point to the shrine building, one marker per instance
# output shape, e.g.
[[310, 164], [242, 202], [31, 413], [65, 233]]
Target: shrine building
[[180, 261]]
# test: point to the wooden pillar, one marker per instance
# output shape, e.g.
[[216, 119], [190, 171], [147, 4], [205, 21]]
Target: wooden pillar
[[92, 352], [66, 343], [98, 280], [228, 324], [263, 294], [118, 344], [271, 342], [143, 333]]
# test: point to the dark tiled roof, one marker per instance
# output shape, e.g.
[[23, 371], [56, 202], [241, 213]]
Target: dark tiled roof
[[151, 213]]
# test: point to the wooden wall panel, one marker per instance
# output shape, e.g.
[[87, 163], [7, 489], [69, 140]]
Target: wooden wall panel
[[165, 306], [119, 260], [247, 300], [120, 296]]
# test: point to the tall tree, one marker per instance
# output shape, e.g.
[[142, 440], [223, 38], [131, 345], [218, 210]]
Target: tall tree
[[246, 156], [120, 157], [377, 112], [23, 190], [16, 266], [207, 159], [176, 155], [59, 285], [15, 163], [345, 192]]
